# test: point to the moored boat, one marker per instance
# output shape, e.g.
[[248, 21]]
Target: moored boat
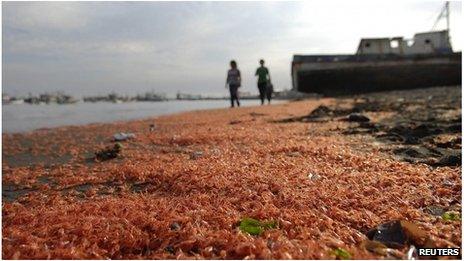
[[381, 64]]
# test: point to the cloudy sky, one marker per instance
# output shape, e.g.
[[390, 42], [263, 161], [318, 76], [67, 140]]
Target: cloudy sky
[[87, 48]]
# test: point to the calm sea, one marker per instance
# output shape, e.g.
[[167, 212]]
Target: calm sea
[[26, 117]]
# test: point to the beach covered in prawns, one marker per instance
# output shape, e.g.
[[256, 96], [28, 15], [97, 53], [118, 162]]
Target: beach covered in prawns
[[309, 179]]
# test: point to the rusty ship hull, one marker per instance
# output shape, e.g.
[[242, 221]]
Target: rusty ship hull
[[332, 75]]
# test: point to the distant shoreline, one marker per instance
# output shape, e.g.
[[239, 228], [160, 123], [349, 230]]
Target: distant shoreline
[[134, 101], [22, 118]]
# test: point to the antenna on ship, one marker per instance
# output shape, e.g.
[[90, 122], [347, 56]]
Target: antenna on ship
[[443, 13]]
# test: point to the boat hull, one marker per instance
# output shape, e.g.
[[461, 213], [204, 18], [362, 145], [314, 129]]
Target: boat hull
[[352, 74]]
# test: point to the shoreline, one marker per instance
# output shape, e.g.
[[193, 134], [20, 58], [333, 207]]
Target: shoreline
[[179, 190], [85, 113]]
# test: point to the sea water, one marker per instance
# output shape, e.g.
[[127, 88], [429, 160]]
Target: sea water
[[27, 117]]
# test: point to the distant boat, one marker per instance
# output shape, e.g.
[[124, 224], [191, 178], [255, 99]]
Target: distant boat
[[18, 101], [151, 96], [382, 64], [6, 99]]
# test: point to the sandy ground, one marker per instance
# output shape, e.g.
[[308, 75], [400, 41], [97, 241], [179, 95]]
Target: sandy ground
[[180, 190]]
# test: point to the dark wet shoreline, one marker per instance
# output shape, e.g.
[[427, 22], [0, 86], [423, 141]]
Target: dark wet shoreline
[[422, 126]]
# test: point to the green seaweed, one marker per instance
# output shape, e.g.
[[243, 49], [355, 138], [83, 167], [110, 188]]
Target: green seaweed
[[256, 227], [341, 253], [270, 225], [451, 216]]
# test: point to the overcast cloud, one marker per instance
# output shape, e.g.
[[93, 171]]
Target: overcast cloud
[[87, 48]]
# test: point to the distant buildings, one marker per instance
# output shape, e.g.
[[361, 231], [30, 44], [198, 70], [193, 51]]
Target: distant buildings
[[46, 98], [112, 97], [151, 96], [61, 98]]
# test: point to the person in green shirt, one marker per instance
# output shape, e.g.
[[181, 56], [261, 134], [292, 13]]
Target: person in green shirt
[[264, 79]]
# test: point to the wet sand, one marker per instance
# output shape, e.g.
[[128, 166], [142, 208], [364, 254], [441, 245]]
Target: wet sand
[[179, 191]]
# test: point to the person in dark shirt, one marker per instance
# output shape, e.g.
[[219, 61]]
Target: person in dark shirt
[[264, 80], [234, 81]]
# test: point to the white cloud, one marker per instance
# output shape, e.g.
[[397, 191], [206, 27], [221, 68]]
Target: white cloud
[[45, 15], [105, 46]]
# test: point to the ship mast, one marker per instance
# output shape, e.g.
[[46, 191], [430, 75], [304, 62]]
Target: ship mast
[[447, 16], [444, 13]]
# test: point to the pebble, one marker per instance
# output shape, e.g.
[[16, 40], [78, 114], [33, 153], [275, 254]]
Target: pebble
[[435, 210], [175, 226], [312, 176], [356, 117], [196, 155]]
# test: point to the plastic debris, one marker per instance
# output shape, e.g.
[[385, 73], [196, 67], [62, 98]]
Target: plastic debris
[[123, 136], [412, 253]]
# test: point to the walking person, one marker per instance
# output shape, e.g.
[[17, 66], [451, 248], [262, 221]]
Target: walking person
[[264, 80], [234, 81]]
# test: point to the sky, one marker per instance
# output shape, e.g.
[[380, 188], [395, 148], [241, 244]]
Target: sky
[[94, 48]]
